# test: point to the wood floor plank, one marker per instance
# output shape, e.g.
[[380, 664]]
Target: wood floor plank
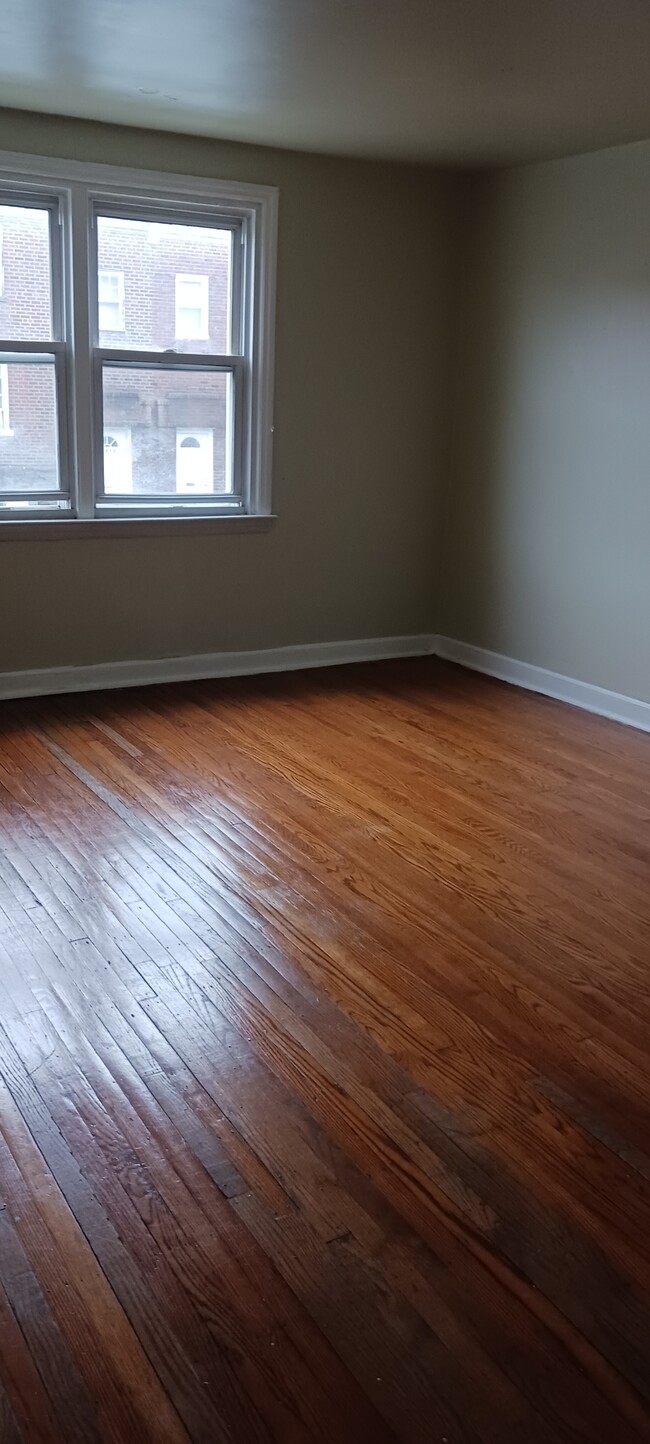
[[125, 1391], [324, 1079], [9, 1432]]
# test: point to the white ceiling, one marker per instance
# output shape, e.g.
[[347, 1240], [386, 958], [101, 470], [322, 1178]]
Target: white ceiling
[[470, 81]]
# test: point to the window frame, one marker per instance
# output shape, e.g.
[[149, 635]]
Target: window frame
[[29, 194], [77, 192]]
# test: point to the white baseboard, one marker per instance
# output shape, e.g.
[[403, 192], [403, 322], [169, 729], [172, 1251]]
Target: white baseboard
[[552, 684], [46, 681]]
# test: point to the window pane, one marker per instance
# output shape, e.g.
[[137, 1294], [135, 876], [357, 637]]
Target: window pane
[[166, 432], [25, 280], [153, 257], [29, 453]]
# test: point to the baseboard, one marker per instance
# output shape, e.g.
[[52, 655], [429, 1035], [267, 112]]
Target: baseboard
[[552, 684], [46, 681]]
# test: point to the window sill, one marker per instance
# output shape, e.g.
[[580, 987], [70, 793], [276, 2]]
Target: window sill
[[101, 529]]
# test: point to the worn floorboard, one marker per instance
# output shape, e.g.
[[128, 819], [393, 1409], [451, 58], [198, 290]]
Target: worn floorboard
[[324, 1066]]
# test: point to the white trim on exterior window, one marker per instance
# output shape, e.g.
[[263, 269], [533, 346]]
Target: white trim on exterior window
[[75, 193], [194, 460], [110, 300], [192, 308], [118, 460]]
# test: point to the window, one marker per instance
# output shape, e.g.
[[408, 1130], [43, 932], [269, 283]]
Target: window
[[160, 408], [4, 399], [192, 300], [110, 296]]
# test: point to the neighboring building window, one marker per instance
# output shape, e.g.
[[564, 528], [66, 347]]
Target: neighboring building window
[[110, 297], [192, 308], [161, 407], [2, 269], [4, 399], [195, 461], [118, 467]]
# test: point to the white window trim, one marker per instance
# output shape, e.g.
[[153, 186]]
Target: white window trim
[[203, 333], [77, 185], [119, 299]]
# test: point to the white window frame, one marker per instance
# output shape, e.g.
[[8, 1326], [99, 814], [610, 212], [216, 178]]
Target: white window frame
[[25, 193], [75, 193], [203, 287], [119, 299]]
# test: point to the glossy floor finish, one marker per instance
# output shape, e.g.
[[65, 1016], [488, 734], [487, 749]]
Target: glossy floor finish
[[324, 1101]]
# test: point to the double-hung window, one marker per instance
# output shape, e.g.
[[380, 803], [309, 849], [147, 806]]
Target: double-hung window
[[136, 345]]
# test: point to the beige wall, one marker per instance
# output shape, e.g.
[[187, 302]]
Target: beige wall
[[365, 296], [548, 555]]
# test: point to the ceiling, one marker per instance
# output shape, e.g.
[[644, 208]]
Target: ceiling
[[454, 81]]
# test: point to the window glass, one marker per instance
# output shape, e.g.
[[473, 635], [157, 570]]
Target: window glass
[[178, 281], [29, 451], [26, 290], [179, 431]]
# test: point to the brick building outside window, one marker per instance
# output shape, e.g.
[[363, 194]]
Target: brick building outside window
[[160, 287]]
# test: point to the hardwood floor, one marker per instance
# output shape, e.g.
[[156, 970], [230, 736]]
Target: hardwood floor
[[324, 1066]]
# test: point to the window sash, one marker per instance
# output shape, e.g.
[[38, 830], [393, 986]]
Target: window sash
[[54, 354], [233, 362], [179, 214], [234, 366], [49, 352], [75, 193], [54, 203]]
